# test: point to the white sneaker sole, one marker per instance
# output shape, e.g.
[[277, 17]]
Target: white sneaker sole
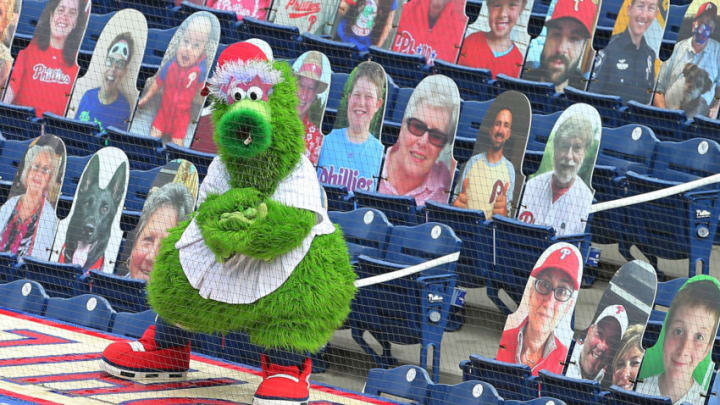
[[141, 375], [263, 401]]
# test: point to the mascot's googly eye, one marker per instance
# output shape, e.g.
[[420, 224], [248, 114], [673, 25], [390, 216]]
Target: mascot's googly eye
[[237, 93], [255, 93]]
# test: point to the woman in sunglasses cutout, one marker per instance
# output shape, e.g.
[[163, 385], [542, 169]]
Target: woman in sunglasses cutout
[[411, 165]]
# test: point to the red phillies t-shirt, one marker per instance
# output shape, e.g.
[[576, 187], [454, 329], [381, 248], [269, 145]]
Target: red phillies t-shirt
[[476, 53], [181, 84], [442, 41], [42, 79]]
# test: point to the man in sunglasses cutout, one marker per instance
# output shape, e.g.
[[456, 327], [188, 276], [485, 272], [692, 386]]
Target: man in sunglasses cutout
[[412, 166], [553, 283]]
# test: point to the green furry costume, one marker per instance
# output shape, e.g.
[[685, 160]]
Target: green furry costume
[[302, 314]]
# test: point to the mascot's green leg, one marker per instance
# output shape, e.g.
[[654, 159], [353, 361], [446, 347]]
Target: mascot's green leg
[[300, 316]]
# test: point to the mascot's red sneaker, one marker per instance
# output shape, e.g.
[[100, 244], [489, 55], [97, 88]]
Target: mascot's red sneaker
[[283, 385], [142, 359]]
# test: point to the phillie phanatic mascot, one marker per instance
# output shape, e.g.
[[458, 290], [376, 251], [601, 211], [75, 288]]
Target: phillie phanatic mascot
[[260, 254]]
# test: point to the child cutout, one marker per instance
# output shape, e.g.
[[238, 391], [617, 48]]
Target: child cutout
[[181, 79], [494, 50], [679, 365]]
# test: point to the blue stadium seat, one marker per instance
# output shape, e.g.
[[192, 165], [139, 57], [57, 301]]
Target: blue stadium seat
[[472, 9], [29, 17], [234, 346], [512, 381], [542, 96], [682, 225], [339, 198], [144, 152], [337, 85], [714, 394], [609, 11], [669, 125], [74, 167], [570, 390], [630, 147], [124, 293], [284, 39], [138, 188], [343, 57], [10, 157], [158, 13], [471, 392], [59, 280], [399, 209], [407, 382], [412, 309], [104, 6], [469, 121], [537, 401], [201, 160], [19, 122], [406, 70], [366, 231], [9, 267], [666, 291], [540, 129], [610, 107], [398, 98], [473, 83], [537, 17], [80, 137], [86, 310], [619, 396], [157, 43], [517, 247], [133, 324], [229, 26], [674, 20], [702, 126], [95, 25], [24, 295], [476, 234]]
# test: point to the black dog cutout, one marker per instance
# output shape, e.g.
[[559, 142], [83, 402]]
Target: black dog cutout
[[91, 222]]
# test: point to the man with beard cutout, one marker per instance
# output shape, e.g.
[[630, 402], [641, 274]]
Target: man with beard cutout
[[568, 31]]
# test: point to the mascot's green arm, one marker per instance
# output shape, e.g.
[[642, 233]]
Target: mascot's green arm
[[235, 222]]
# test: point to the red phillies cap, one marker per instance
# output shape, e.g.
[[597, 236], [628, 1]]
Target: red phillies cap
[[583, 11], [707, 7], [564, 257]]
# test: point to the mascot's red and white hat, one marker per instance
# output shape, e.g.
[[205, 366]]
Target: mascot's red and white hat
[[242, 62]]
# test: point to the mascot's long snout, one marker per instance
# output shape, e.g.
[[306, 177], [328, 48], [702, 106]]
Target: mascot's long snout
[[245, 129]]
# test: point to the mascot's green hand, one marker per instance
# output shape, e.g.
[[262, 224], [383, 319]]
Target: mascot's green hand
[[239, 221]]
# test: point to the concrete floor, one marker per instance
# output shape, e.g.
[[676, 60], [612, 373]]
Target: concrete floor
[[349, 365]]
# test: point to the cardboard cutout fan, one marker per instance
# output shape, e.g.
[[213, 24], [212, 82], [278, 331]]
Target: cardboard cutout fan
[[45, 71], [610, 350], [90, 236], [538, 333], [492, 179], [433, 29], [313, 16], [497, 40], [171, 101], [28, 221], [562, 54], [689, 78], [628, 65], [106, 94], [421, 164], [313, 73], [9, 17], [351, 153], [365, 23], [559, 193], [170, 200]]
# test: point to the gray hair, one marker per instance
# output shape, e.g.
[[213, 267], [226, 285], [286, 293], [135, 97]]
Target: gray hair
[[576, 126], [437, 92], [32, 154], [175, 195]]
